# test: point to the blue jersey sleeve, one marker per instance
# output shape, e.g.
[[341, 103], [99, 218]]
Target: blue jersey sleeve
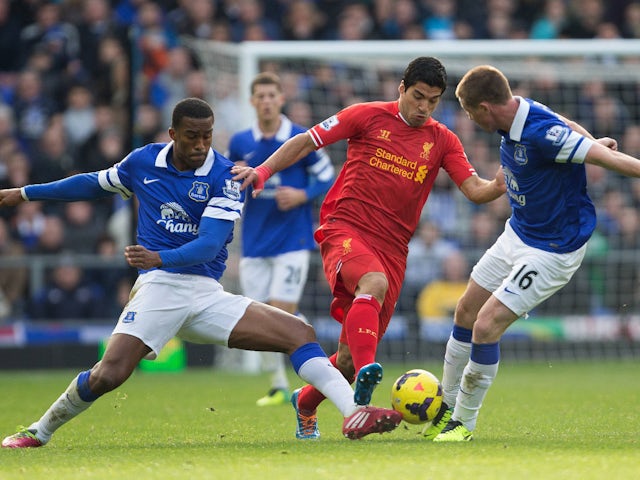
[[212, 237], [84, 186]]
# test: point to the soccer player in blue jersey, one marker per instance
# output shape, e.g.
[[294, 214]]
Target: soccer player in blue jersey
[[188, 204], [277, 226], [543, 157]]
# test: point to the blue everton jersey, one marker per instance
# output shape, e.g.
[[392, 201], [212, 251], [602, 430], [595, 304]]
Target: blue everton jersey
[[543, 162], [266, 230], [171, 202]]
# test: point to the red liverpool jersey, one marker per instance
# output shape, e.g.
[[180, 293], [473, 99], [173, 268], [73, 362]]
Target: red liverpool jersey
[[389, 171]]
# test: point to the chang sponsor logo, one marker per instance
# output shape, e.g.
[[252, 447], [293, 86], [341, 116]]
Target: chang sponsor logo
[[513, 189], [175, 219]]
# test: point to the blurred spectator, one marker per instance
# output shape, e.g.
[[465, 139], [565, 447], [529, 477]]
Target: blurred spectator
[[7, 123], [78, 119], [29, 223], [168, 87], [52, 236], [10, 28], [84, 226], [551, 22], [484, 229], [154, 39], [110, 278], [609, 211], [630, 141], [437, 300], [148, 123], [407, 15], [447, 208], [57, 37], [67, 296], [248, 15], [52, 158], [32, 109], [195, 18], [299, 112], [13, 280], [631, 21], [110, 80], [583, 19], [440, 23], [353, 23], [303, 21], [221, 31], [104, 120], [427, 250], [622, 285], [96, 23]]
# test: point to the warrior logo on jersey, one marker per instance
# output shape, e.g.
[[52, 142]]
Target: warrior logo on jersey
[[231, 189], [199, 192], [329, 123], [129, 317], [520, 154], [384, 135], [557, 135]]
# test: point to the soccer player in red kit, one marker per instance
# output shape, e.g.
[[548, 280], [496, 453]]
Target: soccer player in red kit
[[395, 151]]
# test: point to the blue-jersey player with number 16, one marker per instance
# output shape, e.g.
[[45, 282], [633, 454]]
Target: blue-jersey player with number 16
[[543, 158], [188, 204]]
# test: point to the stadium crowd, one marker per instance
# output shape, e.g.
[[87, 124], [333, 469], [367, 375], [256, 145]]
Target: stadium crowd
[[66, 93]]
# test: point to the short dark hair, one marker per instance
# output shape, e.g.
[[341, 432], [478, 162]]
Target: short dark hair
[[192, 108], [425, 69]]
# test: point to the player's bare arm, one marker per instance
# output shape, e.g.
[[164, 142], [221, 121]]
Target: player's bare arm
[[480, 190], [10, 197], [289, 153], [614, 160]]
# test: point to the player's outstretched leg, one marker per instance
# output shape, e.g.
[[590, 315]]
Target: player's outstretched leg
[[367, 420], [307, 428], [367, 380]]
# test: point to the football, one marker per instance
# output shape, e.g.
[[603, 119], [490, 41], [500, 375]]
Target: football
[[417, 395]]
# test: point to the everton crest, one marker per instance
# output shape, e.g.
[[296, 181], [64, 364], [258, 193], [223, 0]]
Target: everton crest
[[199, 192]]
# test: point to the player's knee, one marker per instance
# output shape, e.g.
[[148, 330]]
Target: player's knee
[[464, 316], [375, 284], [306, 332]]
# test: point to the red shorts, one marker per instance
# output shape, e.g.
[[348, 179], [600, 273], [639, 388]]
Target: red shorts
[[346, 257]]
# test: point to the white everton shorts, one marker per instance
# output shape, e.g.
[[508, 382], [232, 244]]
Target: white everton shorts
[[163, 305], [522, 277], [281, 277]]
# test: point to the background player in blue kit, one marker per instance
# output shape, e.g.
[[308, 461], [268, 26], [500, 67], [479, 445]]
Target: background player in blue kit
[[277, 226], [543, 157], [188, 204]]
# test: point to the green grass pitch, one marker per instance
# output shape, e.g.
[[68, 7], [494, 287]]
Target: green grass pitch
[[540, 421]]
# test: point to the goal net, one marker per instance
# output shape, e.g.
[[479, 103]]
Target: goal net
[[592, 82]]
